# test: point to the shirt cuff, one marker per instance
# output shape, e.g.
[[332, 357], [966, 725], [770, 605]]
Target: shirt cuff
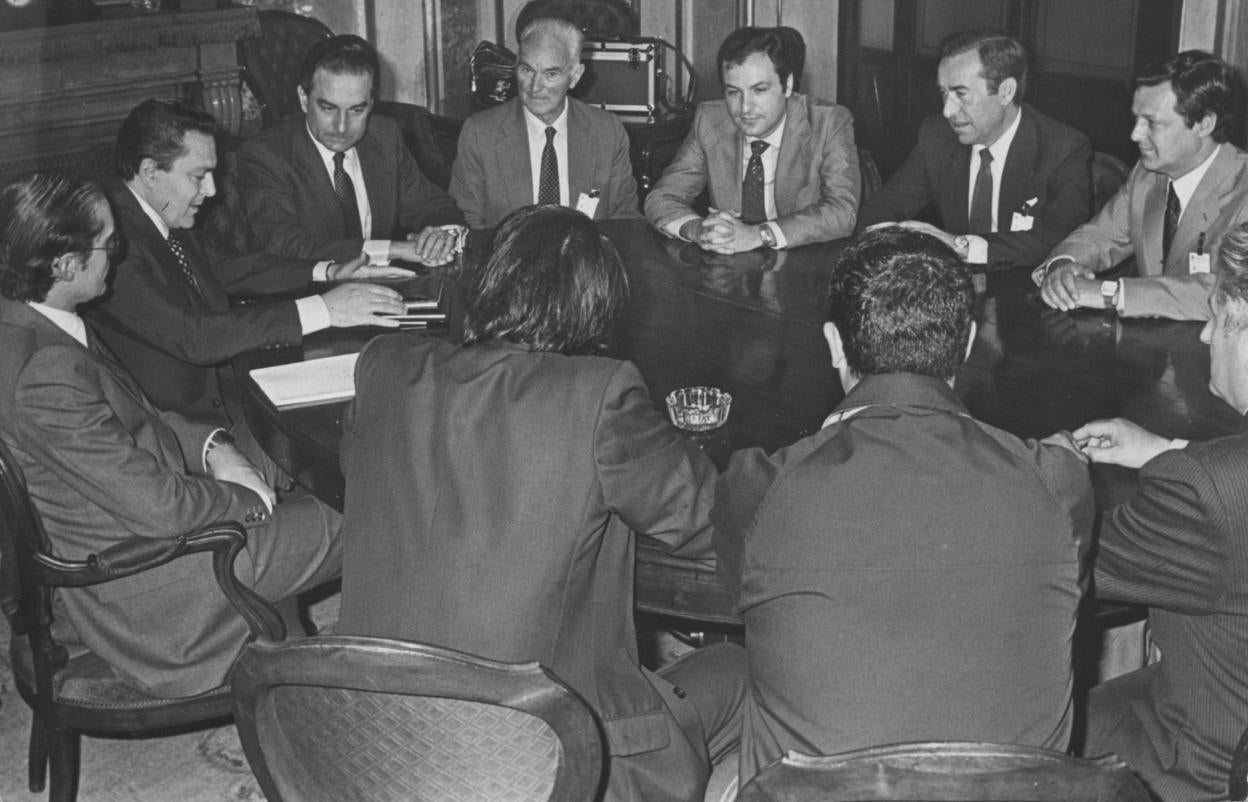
[[313, 314], [673, 228], [778, 233], [1037, 275], [378, 251], [1178, 443], [203, 452], [1121, 305], [320, 271], [976, 249]]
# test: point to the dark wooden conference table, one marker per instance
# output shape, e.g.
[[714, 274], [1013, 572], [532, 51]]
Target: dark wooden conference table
[[751, 324]]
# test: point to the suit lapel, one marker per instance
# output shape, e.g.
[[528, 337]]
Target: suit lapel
[[1016, 183], [580, 155], [954, 188], [723, 156], [315, 179], [1202, 209], [793, 160], [375, 189], [513, 159], [213, 292], [147, 240]]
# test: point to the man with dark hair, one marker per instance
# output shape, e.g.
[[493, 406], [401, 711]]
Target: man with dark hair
[[339, 181], [1189, 188], [102, 464], [1006, 181], [908, 573], [781, 169], [493, 489], [1178, 546], [577, 155], [168, 316]]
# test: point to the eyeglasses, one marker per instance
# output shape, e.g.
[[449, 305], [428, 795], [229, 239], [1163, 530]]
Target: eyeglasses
[[115, 248]]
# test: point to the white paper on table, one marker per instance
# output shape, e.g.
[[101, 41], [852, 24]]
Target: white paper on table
[[313, 381]]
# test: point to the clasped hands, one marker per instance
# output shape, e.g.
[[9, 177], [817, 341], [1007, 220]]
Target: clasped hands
[[1068, 285], [722, 232], [227, 464]]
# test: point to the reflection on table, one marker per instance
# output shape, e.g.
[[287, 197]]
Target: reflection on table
[[751, 324]]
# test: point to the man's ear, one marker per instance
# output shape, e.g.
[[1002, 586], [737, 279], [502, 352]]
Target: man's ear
[[836, 346], [148, 170], [788, 86], [66, 266], [1205, 125], [1006, 90], [577, 72], [303, 98]]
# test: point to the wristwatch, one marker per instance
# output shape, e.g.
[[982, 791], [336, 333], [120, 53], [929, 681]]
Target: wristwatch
[[769, 239], [1109, 293]]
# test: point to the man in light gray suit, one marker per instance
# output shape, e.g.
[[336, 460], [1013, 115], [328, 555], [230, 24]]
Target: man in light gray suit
[[781, 168], [543, 146]]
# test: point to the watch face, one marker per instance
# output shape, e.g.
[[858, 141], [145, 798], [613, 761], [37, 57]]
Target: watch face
[[19, 3]]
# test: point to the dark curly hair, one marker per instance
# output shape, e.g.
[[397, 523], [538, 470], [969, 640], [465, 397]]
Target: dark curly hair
[[42, 217]]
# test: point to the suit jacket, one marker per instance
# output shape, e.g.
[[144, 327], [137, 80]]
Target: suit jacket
[[101, 464], [1046, 172], [1178, 546], [289, 198], [817, 181], [906, 574], [492, 176], [169, 337], [494, 467], [1131, 224]]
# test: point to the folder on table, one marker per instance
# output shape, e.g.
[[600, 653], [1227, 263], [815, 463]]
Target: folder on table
[[313, 381]]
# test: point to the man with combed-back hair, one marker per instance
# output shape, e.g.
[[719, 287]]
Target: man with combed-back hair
[[503, 151], [1179, 546], [907, 573], [1188, 190], [1036, 182]]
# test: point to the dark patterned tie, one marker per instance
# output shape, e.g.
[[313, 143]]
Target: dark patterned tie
[[980, 219], [548, 183], [1173, 211], [753, 202], [179, 252], [344, 191]]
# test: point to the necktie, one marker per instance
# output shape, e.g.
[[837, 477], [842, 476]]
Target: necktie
[[179, 252], [548, 183], [753, 203], [980, 219], [1173, 211], [344, 191]]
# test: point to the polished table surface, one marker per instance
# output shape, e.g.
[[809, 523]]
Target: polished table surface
[[751, 324]]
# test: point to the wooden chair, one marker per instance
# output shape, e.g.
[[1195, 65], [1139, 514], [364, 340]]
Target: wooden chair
[[271, 62], [432, 138], [945, 772], [69, 696], [351, 718]]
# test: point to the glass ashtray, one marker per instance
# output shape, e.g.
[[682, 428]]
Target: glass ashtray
[[698, 409]]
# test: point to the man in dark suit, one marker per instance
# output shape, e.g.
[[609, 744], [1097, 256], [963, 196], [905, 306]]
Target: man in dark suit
[[584, 163], [1188, 190], [103, 464], [338, 180], [168, 316], [493, 489], [781, 168], [908, 573], [1011, 206], [1179, 546]]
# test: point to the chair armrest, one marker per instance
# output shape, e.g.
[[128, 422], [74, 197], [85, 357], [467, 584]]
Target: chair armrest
[[137, 554]]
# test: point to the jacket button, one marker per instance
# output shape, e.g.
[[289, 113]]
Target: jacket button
[[216, 402], [679, 691]]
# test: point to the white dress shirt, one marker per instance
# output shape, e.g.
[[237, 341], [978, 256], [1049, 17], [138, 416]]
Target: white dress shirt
[[537, 143], [977, 247]]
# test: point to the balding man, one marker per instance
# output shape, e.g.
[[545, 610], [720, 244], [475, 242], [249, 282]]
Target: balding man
[[577, 154]]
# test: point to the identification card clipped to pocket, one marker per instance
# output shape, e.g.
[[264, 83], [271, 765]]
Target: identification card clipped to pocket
[[587, 203], [1021, 222], [1197, 263]]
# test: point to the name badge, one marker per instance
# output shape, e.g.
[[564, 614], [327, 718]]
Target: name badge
[[1022, 222], [587, 204], [1197, 263]]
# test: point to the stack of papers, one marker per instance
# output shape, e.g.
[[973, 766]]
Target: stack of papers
[[313, 381], [419, 312]]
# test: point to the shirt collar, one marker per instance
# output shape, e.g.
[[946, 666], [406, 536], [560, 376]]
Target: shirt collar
[[898, 389], [1185, 186], [327, 155], [537, 128], [151, 213], [773, 139], [1001, 148], [68, 322]]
